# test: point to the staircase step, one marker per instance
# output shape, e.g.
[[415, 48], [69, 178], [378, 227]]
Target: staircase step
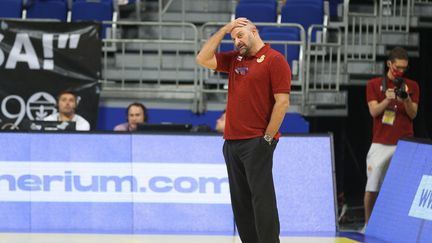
[[166, 61], [149, 75], [362, 67]]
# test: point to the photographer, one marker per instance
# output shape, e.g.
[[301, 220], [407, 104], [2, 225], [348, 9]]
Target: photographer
[[393, 102]]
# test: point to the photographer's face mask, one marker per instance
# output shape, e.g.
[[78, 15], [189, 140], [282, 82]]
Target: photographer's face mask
[[397, 73], [398, 68]]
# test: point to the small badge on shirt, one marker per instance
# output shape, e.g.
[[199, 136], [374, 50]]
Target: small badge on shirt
[[239, 58], [389, 117], [261, 59]]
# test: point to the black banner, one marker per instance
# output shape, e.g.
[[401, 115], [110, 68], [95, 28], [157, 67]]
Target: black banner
[[40, 59]]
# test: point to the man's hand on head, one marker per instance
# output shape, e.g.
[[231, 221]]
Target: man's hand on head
[[239, 22]]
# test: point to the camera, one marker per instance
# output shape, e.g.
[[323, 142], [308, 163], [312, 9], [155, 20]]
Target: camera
[[400, 89]]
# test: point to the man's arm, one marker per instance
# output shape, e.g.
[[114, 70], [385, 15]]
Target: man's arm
[[410, 107], [376, 109], [206, 57], [280, 108]]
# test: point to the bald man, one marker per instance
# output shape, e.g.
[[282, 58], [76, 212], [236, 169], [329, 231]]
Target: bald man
[[258, 99]]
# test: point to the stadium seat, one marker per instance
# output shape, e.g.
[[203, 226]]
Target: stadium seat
[[91, 10], [227, 46], [305, 1], [295, 12], [334, 5], [10, 8], [257, 11], [273, 2], [262, 1], [291, 52], [310, 2], [295, 31], [47, 9]]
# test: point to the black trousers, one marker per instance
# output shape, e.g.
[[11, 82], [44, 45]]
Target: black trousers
[[249, 164]]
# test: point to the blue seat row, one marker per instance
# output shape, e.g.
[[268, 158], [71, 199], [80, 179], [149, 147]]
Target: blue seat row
[[11, 8], [304, 12], [58, 9], [79, 10]]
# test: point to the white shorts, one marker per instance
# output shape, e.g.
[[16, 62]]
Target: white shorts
[[377, 162]]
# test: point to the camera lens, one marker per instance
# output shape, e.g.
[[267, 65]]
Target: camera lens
[[401, 93]]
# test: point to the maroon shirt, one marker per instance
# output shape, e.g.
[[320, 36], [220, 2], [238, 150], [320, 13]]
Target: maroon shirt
[[402, 125], [253, 81]]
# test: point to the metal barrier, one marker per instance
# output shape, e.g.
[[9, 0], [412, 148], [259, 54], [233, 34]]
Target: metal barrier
[[157, 60], [395, 15], [361, 31], [323, 59], [215, 82], [364, 30], [163, 7], [416, 5]]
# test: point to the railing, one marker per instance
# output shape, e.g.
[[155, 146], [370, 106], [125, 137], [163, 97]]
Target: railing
[[361, 32], [163, 7], [215, 82], [323, 62], [417, 5], [157, 62], [395, 15], [364, 30]]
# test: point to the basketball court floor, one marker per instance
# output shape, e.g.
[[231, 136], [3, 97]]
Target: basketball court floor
[[90, 238]]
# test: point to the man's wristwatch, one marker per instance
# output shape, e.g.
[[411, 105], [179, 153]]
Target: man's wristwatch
[[268, 138]]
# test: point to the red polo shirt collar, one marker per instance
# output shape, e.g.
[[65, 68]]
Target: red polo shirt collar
[[261, 51]]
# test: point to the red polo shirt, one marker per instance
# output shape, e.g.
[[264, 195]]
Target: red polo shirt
[[402, 125], [253, 81]]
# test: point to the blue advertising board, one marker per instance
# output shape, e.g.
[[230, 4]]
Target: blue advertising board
[[403, 211], [147, 183]]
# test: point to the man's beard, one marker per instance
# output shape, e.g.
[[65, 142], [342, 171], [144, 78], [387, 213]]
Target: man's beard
[[244, 50], [68, 112]]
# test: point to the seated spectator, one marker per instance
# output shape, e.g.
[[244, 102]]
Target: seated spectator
[[136, 113], [66, 104], [220, 126], [220, 123]]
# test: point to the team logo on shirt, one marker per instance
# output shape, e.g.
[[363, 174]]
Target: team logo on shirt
[[261, 59], [241, 70], [239, 58]]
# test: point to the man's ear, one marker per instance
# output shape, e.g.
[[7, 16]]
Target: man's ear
[[389, 63], [254, 30]]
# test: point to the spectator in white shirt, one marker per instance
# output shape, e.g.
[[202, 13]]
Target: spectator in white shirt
[[67, 104]]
